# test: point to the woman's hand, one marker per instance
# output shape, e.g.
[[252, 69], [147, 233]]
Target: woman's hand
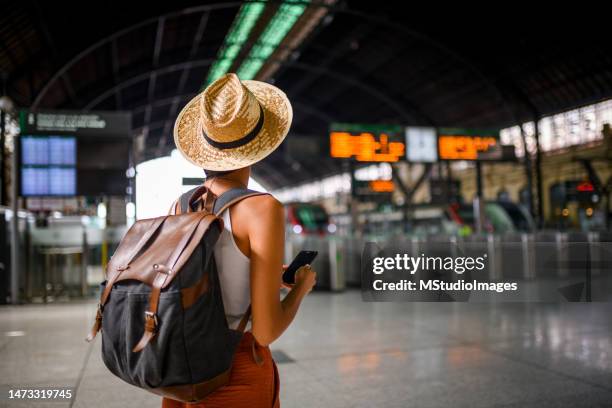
[[305, 279], [292, 285]]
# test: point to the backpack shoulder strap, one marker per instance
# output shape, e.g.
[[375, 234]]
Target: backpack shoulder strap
[[222, 202], [183, 201], [233, 196]]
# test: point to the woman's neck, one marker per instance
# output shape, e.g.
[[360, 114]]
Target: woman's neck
[[219, 184]]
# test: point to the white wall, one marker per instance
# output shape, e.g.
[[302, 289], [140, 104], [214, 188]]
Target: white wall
[[160, 181]]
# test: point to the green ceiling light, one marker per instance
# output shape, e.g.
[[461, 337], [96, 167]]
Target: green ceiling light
[[239, 32], [284, 19]]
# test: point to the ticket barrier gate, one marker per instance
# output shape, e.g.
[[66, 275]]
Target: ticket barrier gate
[[330, 263]]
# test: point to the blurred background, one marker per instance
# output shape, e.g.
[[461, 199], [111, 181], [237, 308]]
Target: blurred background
[[442, 126]]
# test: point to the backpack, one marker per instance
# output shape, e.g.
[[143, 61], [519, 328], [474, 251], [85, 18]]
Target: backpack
[[161, 311]]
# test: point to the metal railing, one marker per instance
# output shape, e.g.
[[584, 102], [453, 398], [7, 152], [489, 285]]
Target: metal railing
[[55, 262], [68, 261]]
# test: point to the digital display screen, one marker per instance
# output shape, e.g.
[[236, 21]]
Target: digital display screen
[[47, 181], [62, 181], [48, 150], [34, 181], [62, 151], [374, 189], [34, 150], [74, 153], [366, 146], [48, 166], [457, 147], [421, 145]]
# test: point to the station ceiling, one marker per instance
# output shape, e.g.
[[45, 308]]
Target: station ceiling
[[366, 62]]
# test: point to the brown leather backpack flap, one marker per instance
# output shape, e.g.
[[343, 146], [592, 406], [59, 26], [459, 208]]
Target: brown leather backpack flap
[[129, 244], [166, 250]]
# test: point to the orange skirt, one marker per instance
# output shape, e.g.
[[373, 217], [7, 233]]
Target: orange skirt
[[250, 385]]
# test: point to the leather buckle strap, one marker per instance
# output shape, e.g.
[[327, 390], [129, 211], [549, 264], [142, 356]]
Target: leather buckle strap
[[151, 321], [97, 323]]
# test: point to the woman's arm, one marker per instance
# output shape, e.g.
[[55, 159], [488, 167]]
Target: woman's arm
[[266, 232]]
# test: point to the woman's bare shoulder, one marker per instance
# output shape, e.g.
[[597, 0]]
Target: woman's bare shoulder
[[264, 206], [264, 203], [259, 217]]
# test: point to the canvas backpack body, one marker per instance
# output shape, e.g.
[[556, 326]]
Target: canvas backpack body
[[161, 310]]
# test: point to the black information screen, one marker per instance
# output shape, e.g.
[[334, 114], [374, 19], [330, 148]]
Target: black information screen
[[61, 165], [102, 163]]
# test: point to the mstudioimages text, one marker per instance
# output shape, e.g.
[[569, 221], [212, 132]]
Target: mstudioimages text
[[437, 284], [413, 264]]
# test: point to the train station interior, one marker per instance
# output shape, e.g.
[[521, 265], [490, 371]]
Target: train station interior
[[449, 135]]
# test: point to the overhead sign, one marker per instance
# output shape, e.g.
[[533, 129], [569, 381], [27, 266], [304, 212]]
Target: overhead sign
[[421, 144], [367, 143], [64, 153], [465, 144], [69, 122], [380, 143], [366, 147]]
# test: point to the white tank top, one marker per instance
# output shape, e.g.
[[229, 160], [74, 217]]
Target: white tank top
[[234, 274]]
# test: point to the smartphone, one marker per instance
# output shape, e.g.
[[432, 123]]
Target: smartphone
[[301, 259]]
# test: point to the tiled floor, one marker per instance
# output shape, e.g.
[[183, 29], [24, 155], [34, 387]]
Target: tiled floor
[[352, 354]]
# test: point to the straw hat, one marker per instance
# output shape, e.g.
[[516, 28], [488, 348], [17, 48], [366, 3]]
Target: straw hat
[[232, 124]]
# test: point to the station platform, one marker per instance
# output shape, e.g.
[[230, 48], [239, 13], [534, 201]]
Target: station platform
[[342, 352]]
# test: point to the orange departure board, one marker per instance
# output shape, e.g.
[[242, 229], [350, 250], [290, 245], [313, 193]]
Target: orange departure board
[[459, 147], [382, 186], [366, 147]]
